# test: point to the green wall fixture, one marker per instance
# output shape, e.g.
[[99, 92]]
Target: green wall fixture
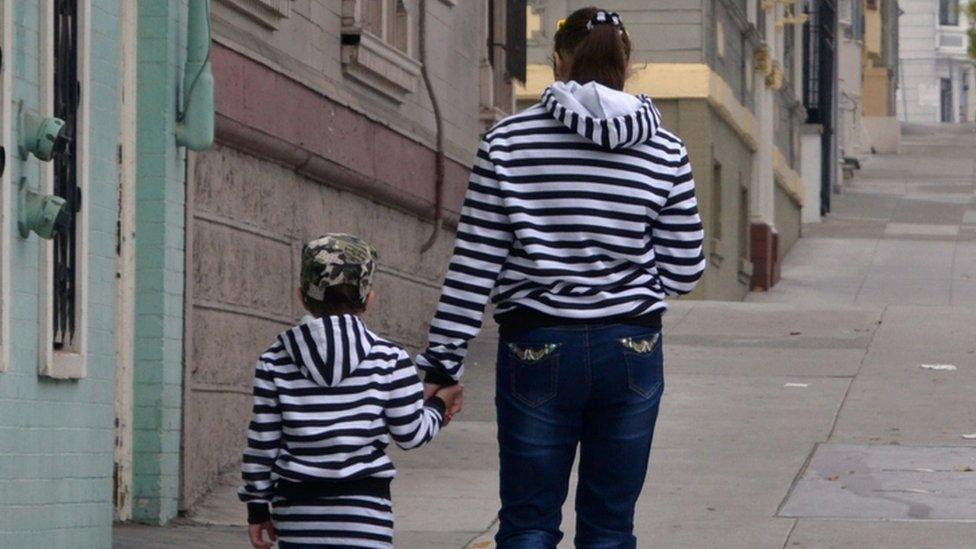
[[43, 214], [41, 136], [195, 123]]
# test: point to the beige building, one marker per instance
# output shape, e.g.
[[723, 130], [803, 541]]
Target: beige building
[[726, 76], [325, 123], [880, 75]]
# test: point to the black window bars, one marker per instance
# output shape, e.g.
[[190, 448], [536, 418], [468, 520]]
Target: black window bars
[[67, 93]]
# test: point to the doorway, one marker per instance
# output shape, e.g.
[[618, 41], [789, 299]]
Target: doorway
[[945, 99]]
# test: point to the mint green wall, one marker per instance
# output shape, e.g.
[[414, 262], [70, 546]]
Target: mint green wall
[[159, 265], [57, 437]]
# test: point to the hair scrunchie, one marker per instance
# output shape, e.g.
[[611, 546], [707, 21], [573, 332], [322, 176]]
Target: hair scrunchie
[[603, 17]]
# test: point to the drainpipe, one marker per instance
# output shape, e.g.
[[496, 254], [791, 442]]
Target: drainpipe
[[195, 123], [439, 121]]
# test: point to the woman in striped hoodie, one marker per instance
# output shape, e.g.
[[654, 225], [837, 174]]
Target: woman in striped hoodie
[[580, 218]]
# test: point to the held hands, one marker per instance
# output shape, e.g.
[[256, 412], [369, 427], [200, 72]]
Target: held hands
[[256, 531], [452, 395]]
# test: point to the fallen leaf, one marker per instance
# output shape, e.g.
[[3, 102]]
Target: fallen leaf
[[832, 477], [795, 333]]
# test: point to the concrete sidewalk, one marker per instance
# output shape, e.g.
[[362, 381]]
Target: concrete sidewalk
[[801, 418]]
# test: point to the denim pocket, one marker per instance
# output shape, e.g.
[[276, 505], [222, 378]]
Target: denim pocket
[[533, 372], [645, 365]]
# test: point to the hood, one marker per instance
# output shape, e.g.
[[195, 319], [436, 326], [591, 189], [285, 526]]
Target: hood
[[610, 118], [328, 349]]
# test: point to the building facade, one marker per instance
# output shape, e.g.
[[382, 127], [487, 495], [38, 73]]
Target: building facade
[[57, 314], [725, 75], [937, 72], [357, 116], [96, 118], [880, 76]]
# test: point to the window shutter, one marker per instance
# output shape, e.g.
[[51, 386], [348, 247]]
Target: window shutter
[[515, 46]]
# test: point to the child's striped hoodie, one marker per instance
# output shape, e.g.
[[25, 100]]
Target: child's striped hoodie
[[328, 395]]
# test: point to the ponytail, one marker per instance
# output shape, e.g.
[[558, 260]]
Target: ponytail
[[595, 45]]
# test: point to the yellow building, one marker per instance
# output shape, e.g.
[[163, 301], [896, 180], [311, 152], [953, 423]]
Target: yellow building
[[880, 74], [726, 76]]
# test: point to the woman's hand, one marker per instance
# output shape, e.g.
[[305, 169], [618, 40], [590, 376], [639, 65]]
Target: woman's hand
[[431, 389], [256, 531]]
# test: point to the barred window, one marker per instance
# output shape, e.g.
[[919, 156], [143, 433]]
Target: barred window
[[67, 92]]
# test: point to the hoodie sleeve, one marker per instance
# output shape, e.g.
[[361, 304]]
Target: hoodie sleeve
[[677, 234], [412, 422], [484, 238], [263, 441]]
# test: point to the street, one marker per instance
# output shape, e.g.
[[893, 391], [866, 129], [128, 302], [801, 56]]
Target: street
[[832, 411]]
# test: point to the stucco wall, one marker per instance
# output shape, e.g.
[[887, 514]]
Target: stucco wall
[[788, 223], [305, 46], [709, 139], [56, 437], [663, 31]]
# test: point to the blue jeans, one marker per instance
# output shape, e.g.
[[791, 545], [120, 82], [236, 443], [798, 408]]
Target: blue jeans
[[596, 387]]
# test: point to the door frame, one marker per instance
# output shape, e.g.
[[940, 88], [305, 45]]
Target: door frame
[[125, 332]]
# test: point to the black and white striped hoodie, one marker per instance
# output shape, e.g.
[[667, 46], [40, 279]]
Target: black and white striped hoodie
[[328, 395], [579, 209]]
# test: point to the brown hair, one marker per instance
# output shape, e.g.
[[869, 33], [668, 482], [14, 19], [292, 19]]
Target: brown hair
[[600, 54], [338, 300]]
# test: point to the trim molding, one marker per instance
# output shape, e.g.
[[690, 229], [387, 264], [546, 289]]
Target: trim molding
[[319, 168], [6, 43], [671, 81]]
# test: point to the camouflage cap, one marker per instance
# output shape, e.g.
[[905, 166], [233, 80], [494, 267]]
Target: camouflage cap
[[336, 259]]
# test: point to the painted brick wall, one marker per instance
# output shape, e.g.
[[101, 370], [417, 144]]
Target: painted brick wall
[[158, 368], [56, 437]]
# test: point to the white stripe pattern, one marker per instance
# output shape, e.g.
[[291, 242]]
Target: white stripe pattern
[[306, 430], [358, 521], [573, 217]]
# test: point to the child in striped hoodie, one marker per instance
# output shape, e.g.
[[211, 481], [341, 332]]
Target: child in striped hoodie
[[328, 395]]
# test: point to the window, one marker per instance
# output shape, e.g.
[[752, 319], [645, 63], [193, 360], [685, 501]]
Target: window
[[506, 35], [378, 46], [949, 13], [267, 13], [945, 99], [716, 213], [67, 92], [64, 264], [745, 265], [388, 21]]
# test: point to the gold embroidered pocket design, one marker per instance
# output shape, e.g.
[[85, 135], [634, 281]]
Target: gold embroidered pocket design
[[532, 354], [640, 346]]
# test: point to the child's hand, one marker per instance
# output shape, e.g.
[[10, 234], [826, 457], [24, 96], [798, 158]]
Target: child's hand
[[257, 539], [452, 396]]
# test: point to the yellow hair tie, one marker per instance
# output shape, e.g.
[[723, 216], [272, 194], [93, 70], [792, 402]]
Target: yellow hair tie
[[560, 23]]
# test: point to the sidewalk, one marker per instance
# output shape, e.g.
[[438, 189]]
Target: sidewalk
[[801, 418]]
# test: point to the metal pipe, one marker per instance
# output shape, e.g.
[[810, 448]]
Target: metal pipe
[[195, 123], [439, 122]]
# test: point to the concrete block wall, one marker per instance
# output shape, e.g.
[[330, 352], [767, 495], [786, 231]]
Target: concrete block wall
[[250, 217], [56, 436], [160, 199]]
